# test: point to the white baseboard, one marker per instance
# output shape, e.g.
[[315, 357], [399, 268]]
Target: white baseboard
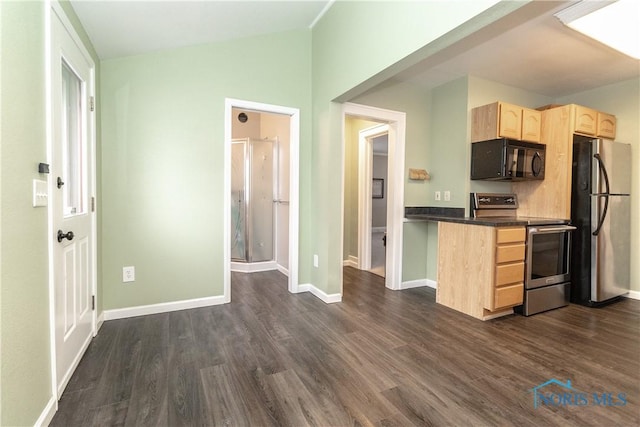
[[47, 413], [351, 262], [378, 229], [165, 307], [253, 267], [633, 295], [282, 270], [327, 298], [100, 321], [419, 283]]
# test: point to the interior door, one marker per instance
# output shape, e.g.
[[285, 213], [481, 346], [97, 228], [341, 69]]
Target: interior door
[[71, 208]]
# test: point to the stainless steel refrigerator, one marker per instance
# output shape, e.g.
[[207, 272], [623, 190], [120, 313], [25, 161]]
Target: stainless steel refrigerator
[[601, 211]]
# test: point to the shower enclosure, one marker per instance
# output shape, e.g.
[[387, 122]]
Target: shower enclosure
[[252, 199]]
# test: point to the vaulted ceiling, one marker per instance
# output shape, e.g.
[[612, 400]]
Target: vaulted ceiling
[[538, 54]]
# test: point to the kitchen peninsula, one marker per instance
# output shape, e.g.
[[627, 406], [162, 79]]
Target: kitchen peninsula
[[480, 262]]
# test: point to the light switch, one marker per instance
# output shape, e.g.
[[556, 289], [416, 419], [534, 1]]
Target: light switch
[[40, 193]]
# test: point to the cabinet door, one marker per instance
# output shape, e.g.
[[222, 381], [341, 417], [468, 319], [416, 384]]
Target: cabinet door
[[531, 125], [586, 120], [510, 119], [606, 127]]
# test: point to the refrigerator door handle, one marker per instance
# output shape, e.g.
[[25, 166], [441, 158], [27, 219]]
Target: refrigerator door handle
[[604, 173], [604, 213], [603, 170]]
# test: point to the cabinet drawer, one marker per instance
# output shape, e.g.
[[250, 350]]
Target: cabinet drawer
[[510, 235], [510, 253], [509, 273], [509, 296]]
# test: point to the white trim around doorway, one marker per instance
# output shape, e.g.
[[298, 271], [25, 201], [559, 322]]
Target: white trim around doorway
[[294, 192], [395, 188]]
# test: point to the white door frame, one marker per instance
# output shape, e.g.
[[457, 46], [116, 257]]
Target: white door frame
[[55, 11], [294, 172], [395, 177], [365, 175]]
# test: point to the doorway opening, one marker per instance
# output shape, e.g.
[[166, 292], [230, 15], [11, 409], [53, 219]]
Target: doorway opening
[[378, 206], [261, 190], [369, 141], [373, 204]]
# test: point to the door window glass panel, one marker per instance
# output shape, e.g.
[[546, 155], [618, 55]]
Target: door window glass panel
[[72, 143]]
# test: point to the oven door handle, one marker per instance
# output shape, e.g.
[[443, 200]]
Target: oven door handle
[[551, 229]]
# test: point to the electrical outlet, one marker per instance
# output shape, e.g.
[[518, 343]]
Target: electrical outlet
[[437, 196], [447, 196], [315, 261], [129, 274]]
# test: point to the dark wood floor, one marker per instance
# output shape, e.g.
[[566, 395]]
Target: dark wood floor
[[378, 358]]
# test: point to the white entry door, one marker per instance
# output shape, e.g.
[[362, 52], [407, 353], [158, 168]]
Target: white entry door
[[71, 186]]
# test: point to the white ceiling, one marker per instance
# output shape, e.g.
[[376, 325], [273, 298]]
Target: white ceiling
[[538, 54], [123, 28]]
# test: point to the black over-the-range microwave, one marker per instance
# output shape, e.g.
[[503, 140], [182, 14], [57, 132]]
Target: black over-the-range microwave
[[506, 159]]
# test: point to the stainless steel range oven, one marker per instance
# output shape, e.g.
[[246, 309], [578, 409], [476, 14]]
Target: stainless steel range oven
[[547, 261], [548, 252]]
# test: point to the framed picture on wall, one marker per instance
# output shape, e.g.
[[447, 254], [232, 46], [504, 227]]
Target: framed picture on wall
[[377, 190]]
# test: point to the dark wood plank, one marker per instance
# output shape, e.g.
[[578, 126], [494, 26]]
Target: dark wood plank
[[107, 415], [148, 401], [121, 366]]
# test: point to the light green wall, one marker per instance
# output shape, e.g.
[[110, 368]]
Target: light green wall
[[447, 156], [352, 43], [25, 374], [622, 100], [25, 371], [162, 153]]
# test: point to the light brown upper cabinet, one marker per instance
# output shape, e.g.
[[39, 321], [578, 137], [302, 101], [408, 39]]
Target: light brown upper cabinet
[[504, 120], [531, 125], [594, 123], [606, 127]]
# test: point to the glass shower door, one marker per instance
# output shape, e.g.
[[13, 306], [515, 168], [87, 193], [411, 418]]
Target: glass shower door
[[252, 200], [238, 205], [261, 201]]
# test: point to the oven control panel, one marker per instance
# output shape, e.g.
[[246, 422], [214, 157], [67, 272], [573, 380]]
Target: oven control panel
[[493, 201]]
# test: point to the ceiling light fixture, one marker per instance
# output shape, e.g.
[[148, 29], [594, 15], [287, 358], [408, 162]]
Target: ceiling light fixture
[[614, 23]]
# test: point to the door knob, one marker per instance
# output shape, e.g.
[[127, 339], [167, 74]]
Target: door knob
[[62, 235], [59, 182]]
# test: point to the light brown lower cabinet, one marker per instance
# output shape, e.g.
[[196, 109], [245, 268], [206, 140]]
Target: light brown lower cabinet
[[480, 268]]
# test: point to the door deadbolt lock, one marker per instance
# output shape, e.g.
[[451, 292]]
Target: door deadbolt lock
[[59, 182], [62, 235]]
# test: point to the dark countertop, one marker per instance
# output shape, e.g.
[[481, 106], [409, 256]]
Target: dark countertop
[[488, 221], [435, 214]]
